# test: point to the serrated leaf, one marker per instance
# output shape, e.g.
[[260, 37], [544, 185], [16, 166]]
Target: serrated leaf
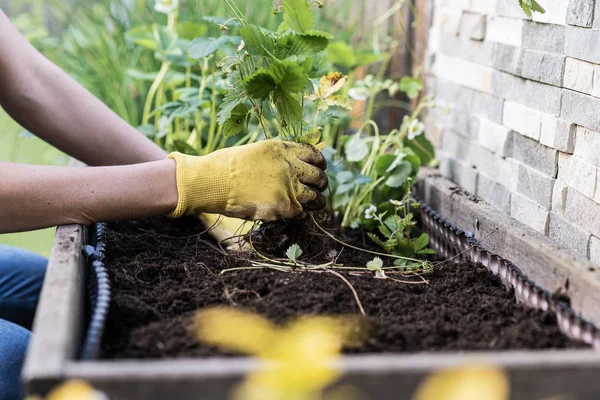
[[378, 241], [311, 137], [356, 148], [259, 41], [422, 148], [399, 175], [283, 76], [204, 47], [297, 15], [383, 162], [289, 107], [299, 45], [342, 54], [375, 264], [420, 243], [293, 252], [411, 86], [234, 125]]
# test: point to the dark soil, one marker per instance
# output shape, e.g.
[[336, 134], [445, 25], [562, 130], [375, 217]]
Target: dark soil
[[162, 271]]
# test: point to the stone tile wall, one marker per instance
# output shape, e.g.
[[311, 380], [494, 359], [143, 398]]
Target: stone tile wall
[[523, 131]]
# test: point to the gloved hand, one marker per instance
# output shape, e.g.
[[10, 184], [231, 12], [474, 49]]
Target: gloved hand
[[267, 181]]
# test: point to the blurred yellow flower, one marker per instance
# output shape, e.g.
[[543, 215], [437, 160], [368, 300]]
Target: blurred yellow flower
[[73, 390], [299, 356], [465, 383]]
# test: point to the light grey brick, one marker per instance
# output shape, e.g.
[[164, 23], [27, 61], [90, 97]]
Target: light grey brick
[[475, 51], [582, 109], [457, 146], [458, 171], [487, 106], [583, 44], [529, 213], [507, 58], [596, 24], [544, 37], [495, 137], [504, 170], [543, 67], [557, 133], [594, 250], [473, 26], [587, 145], [535, 186], [493, 192], [581, 211], [539, 157], [578, 174], [581, 13], [537, 96], [568, 235]]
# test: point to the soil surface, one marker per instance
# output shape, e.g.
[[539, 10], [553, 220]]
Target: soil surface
[[162, 271]]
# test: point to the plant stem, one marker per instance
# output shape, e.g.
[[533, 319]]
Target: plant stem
[[159, 78], [347, 282]]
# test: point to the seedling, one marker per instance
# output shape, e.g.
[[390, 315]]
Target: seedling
[[293, 253]]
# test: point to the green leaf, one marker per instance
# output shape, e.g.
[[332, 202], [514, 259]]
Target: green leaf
[[420, 243], [342, 54], [378, 241], [375, 264], [293, 252], [426, 251], [385, 231], [530, 6], [299, 45], [289, 108], [356, 148], [422, 147], [411, 86], [204, 47], [258, 40], [235, 123], [165, 38], [182, 147], [284, 76], [189, 30], [399, 175], [311, 137], [148, 130], [297, 15], [142, 35]]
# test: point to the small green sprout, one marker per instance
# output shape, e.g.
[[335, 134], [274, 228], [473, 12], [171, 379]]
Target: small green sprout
[[293, 253], [376, 265]]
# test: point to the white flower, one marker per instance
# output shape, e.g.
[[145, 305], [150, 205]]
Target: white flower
[[166, 6], [241, 46], [396, 203], [415, 128], [370, 212], [359, 93]]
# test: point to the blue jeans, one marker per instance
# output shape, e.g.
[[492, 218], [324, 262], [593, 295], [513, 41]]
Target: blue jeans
[[21, 277]]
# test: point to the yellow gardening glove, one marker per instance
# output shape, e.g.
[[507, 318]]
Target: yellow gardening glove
[[229, 232], [267, 181]]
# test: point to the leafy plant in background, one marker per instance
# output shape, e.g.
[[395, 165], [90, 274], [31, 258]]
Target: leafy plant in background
[[371, 175], [270, 77], [531, 6]]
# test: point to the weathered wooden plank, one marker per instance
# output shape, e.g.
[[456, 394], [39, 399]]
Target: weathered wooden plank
[[543, 260], [534, 374], [57, 328]]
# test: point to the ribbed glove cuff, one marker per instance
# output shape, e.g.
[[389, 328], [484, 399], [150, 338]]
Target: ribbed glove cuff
[[202, 185]]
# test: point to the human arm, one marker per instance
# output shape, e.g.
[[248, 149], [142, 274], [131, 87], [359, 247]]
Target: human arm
[[46, 101], [33, 196], [267, 180]]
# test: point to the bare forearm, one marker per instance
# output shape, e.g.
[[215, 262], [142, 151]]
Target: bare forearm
[[33, 197], [46, 101]]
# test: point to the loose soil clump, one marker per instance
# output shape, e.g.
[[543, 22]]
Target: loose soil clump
[[162, 271]]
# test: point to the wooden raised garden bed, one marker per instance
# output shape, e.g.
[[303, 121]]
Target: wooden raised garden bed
[[464, 315]]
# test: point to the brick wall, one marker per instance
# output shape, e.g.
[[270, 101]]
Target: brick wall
[[523, 127]]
